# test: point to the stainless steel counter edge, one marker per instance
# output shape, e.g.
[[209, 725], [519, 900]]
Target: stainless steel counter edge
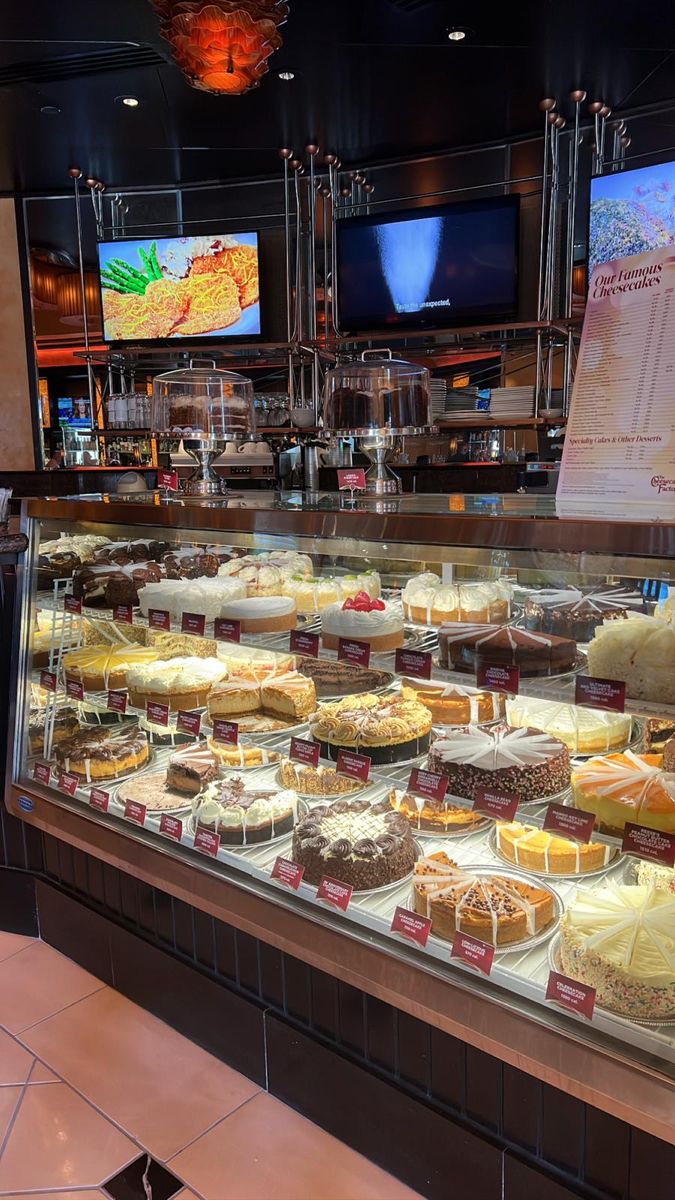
[[596, 1074]]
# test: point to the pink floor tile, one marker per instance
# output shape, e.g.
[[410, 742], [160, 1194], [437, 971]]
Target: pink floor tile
[[42, 1074], [15, 1061], [161, 1088], [86, 1195], [11, 943], [9, 1098], [265, 1149], [59, 1141], [38, 982]]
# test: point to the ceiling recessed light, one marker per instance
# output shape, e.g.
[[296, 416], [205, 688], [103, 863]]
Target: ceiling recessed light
[[50, 110], [287, 76], [129, 101], [457, 34]]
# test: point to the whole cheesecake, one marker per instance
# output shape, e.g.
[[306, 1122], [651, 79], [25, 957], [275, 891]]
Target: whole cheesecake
[[524, 761], [427, 816], [490, 907], [313, 594], [583, 730], [290, 697], [98, 668], [385, 728], [377, 622], [453, 704], [573, 613], [536, 849], [262, 614], [243, 814], [429, 601], [102, 753], [467, 647], [361, 844], [625, 787], [178, 682], [618, 938]]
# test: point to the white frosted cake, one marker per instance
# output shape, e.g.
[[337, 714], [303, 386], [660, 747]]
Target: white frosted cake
[[261, 614], [429, 601], [178, 682], [178, 596], [313, 594], [377, 622], [583, 730], [641, 652]]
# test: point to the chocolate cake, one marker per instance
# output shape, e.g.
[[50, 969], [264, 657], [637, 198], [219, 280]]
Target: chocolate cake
[[192, 563], [242, 815], [523, 761], [341, 678], [101, 753], [360, 844], [138, 550], [467, 647], [66, 724], [57, 565], [190, 769], [658, 731], [570, 612], [107, 584]]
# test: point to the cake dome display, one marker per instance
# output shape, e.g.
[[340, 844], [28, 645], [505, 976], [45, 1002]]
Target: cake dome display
[[205, 408]]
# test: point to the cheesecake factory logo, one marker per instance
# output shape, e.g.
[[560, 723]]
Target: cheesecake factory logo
[[662, 484]]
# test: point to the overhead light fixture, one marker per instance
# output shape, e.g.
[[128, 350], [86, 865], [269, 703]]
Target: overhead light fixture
[[287, 76], [457, 33], [50, 110], [129, 101]]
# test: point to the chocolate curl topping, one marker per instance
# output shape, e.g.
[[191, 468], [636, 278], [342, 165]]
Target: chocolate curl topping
[[341, 848]]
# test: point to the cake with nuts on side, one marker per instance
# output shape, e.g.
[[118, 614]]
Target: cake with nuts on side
[[531, 764]]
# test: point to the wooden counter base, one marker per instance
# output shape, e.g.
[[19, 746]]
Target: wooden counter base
[[510, 1029]]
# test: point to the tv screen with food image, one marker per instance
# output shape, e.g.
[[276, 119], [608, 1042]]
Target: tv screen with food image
[[180, 287]]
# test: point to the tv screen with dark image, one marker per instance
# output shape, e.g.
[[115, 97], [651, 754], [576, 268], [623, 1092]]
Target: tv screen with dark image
[[180, 287], [435, 266]]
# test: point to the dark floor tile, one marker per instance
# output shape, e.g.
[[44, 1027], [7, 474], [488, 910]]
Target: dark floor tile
[[352, 1018], [522, 1182], [562, 1131], [414, 1051], [324, 1003], [18, 903], [405, 1136], [652, 1167], [483, 1088], [142, 1178], [297, 989], [607, 1153], [75, 930], [521, 1108], [271, 975], [247, 962], [380, 1034], [224, 1023], [448, 1070], [226, 953]]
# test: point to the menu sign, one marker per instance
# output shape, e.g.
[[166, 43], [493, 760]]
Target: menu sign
[[413, 662], [48, 681], [569, 822], [227, 631], [157, 714], [74, 690], [331, 891], [123, 614], [288, 873], [42, 773], [72, 604], [651, 844], [167, 479], [600, 693], [409, 925], [569, 993], [193, 623], [498, 678], [225, 731], [69, 783], [159, 618], [354, 766], [99, 799], [473, 952], [304, 752], [171, 827], [501, 805], [304, 643], [427, 785], [117, 702], [619, 453], [207, 841], [351, 479], [353, 652], [135, 812]]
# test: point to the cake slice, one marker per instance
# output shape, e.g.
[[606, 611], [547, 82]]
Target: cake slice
[[292, 696], [190, 769]]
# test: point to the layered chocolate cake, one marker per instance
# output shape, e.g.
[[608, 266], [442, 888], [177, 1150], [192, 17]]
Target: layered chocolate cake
[[191, 769], [341, 678], [364, 845], [102, 753], [467, 647], [138, 550], [525, 761], [386, 728], [242, 815], [570, 612]]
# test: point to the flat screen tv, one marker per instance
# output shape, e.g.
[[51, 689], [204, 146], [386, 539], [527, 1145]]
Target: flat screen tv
[[444, 265], [76, 414], [188, 288], [631, 211]]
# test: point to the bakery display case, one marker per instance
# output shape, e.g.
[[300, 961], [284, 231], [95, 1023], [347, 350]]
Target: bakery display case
[[432, 733]]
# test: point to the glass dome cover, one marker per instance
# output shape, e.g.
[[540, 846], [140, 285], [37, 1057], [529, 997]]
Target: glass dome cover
[[202, 404], [377, 394]]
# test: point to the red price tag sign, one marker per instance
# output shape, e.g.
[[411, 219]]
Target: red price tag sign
[[207, 841], [99, 799], [42, 773], [304, 643], [354, 652], [117, 702], [157, 714], [425, 783], [650, 844], [69, 783], [413, 662], [600, 693], [304, 752], [351, 479], [189, 722], [74, 690], [409, 925], [225, 731], [331, 891], [288, 873], [159, 618], [502, 805], [193, 623], [227, 631], [72, 604], [167, 479], [354, 766], [578, 997], [474, 952], [171, 827], [498, 678], [135, 812], [569, 822], [123, 614], [48, 681]]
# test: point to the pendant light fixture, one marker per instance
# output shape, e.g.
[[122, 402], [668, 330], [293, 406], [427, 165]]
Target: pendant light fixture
[[222, 46]]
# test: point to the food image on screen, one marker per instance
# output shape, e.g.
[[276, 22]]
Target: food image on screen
[[431, 266], [180, 287], [631, 212]]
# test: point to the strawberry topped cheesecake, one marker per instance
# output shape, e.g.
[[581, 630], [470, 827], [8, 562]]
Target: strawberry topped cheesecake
[[378, 622]]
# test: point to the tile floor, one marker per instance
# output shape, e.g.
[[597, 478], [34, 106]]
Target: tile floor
[[90, 1083]]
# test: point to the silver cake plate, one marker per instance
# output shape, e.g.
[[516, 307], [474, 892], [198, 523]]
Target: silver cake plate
[[614, 862], [555, 964]]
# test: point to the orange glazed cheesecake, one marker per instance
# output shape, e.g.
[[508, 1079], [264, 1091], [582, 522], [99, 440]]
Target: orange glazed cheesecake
[[626, 787]]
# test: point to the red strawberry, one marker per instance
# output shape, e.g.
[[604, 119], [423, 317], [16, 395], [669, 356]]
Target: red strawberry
[[378, 606], [348, 605]]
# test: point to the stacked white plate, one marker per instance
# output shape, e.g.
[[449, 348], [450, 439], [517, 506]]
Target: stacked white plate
[[512, 402], [439, 388]]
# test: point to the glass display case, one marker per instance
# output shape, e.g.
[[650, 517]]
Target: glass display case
[[444, 726]]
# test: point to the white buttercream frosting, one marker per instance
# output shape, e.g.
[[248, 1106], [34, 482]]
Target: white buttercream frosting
[[633, 927], [177, 596], [174, 674], [258, 607], [348, 622]]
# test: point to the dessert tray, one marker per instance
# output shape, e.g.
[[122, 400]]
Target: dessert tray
[[556, 965], [614, 863]]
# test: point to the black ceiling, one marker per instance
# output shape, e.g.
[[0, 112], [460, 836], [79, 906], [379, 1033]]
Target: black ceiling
[[375, 79]]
